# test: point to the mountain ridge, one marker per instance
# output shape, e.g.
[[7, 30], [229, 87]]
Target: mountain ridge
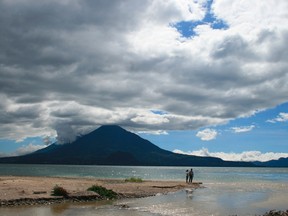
[[113, 145], [281, 162]]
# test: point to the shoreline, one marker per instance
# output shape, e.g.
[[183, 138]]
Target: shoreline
[[28, 191]]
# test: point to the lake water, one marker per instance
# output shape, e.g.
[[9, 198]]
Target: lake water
[[228, 191]]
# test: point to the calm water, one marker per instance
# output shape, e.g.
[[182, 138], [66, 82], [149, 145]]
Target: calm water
[[228, 191]]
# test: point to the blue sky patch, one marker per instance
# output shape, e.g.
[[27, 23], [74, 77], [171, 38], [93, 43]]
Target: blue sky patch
[[264, 136], [9, 146], [186, 28], [159, 112]]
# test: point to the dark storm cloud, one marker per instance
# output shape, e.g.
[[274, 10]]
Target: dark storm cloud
[[233, 47]]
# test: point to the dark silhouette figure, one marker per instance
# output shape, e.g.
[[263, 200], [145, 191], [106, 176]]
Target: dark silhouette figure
[[191, 175], [187, 175]]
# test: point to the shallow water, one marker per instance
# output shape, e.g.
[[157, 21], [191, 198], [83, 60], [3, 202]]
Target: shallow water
[[215, 200], [228, 191]]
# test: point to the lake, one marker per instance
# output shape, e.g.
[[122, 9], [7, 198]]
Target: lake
[[228, 191]]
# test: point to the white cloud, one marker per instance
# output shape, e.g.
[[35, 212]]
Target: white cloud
[[28, 149], [102, 67], [150, 118], [244, 156], [243, 129], [157, 132], [207, 134], [247, 15], [161, 11], [282, 117]]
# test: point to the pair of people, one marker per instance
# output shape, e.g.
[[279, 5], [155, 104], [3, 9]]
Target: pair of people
[[189, 176]]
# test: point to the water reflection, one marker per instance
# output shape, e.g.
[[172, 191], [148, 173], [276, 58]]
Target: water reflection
[[212, 200]]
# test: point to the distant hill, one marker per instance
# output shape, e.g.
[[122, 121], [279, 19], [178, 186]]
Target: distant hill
[[281, 162], [112, 145]]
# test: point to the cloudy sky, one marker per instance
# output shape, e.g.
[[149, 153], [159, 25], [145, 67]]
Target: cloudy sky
[[198, 77]]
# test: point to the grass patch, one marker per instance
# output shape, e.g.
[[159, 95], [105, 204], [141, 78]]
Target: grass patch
[[104, 192], [133, 179], [59, 191]]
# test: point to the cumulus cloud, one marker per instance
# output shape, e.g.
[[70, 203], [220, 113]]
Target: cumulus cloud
[[47, 140], [87, 63], [243, 156], [243, 129], [282, 117], [65, 133], [150, 118], [207, 134], [28, 149]]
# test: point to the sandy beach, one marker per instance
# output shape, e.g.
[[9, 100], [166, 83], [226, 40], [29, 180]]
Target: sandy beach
[[27, 191], [13, 189]]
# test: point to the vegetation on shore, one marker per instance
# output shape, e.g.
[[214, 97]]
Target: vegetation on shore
[[276, 213], [103, 192], [133, 179], [59, 191]]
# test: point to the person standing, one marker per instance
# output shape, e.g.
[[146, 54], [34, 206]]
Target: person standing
[[187, 176], [191, 176]]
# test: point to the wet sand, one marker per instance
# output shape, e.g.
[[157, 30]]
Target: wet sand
[[36, 188]]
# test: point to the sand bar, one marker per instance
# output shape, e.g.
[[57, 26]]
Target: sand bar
[[17, 189]]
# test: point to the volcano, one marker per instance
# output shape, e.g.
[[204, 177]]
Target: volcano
[[113, 145]]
